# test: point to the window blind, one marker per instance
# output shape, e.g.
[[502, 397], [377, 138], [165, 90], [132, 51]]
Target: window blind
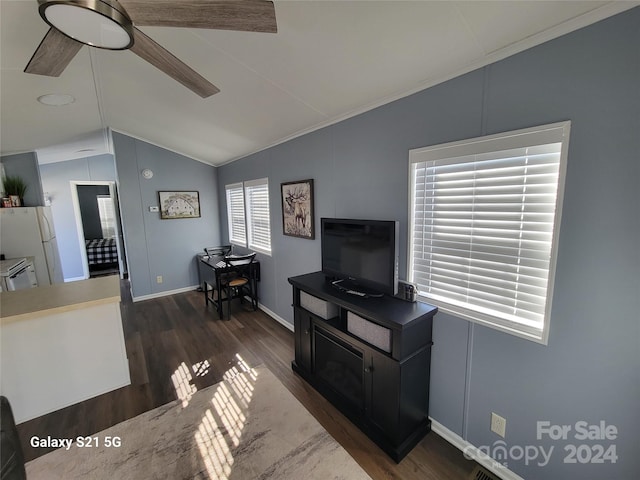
[[235, 214], [107, 216], [483, 217], [258, 218]]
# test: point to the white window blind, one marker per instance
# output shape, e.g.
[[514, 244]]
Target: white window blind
[[483, 226], [107, 216], [258, 221], [235, 214]]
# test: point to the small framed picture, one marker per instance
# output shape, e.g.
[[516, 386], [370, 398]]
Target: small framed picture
[[297, 209], [179, 205]]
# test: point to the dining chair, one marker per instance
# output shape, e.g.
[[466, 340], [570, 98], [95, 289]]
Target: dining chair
[[220, 251], [237, 278]]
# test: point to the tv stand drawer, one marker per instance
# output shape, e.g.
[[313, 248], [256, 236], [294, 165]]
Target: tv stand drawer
[[317, 306], [370, 332]]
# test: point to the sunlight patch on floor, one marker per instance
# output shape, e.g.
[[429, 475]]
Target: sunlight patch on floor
[[229, 402], [181, 379], [214, 450], [200, 369]]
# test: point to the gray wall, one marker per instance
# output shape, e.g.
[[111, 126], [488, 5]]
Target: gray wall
[[163, 247], [589, 371], [25, 166], [56, 178]]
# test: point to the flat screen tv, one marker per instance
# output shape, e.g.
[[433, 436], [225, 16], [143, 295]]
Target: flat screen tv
[[361, 255]]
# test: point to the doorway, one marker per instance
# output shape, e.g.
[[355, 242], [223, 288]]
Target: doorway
[[99, 229]]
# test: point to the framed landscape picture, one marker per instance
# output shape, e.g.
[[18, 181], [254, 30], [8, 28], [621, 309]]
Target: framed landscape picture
[[179, 205], [297, 209]]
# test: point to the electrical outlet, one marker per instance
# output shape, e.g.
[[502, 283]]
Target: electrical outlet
[[498, 424], [159, 279]]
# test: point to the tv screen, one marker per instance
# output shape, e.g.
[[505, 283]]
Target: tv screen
[[363, 254]]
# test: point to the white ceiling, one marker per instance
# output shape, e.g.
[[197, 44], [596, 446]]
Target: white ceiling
[[328, 61]]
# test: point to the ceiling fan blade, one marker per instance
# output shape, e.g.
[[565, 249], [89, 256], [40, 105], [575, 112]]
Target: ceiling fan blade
[[243, 15], [164, 60], [53, 54]]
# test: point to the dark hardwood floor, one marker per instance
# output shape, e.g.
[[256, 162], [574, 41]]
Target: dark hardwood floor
[[168, 335]]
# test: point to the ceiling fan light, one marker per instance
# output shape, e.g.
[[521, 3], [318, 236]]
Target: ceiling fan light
[[92, 22], [56, 99]]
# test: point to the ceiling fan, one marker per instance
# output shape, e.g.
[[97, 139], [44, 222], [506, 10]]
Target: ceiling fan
[[112, 25]]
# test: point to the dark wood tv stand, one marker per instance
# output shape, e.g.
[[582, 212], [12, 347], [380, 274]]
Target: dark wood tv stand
[[370, 357]]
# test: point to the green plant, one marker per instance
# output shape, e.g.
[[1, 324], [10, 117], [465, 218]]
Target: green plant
[[14, 185]]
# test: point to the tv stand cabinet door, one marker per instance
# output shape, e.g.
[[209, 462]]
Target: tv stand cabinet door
[[302, 328], [382, 387], [397, 393]]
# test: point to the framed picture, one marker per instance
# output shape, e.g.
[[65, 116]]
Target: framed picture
[[179, 205], [297, 209]]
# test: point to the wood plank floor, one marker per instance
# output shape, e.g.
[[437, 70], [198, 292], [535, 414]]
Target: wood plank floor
[[168, 336]]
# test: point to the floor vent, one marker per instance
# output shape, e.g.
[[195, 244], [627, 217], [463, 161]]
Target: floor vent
[[481, 473]]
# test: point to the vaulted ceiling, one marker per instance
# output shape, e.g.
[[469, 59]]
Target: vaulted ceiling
[[328, 61]]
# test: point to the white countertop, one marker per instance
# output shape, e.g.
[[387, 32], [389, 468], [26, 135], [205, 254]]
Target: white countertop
[[57, 298]]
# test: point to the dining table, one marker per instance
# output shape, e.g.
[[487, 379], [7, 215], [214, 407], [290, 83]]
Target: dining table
[[215, 267]]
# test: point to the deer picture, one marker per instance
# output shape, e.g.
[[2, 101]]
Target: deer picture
[[296, 199], [297, 208]]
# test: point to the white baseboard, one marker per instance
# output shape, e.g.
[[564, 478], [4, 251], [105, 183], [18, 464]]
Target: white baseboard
[[276, 317], [74, 279], [473, 452], [165, 293]]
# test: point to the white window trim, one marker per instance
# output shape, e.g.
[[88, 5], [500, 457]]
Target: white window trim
[[553, 133]]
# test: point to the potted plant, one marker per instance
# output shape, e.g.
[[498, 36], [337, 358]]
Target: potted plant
[[14, 188]]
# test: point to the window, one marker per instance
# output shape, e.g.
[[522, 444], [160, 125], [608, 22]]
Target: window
[[107, 216], [257, 201], [483, 236], [248, 214], [235, 214]]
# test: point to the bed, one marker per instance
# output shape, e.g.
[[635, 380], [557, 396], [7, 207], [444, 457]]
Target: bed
[[101, 251]]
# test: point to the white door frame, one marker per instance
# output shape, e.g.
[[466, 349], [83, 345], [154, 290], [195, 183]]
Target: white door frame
[[79, 227]]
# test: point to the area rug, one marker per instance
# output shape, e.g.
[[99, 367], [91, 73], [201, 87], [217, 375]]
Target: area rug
[[249, 426]]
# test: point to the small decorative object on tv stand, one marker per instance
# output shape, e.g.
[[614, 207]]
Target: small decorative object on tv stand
[[370, 357]]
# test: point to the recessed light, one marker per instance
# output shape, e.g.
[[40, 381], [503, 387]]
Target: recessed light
[[56, 99]]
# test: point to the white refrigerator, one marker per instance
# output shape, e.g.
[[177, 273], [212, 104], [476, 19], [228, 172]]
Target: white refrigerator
[[29, 232]]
